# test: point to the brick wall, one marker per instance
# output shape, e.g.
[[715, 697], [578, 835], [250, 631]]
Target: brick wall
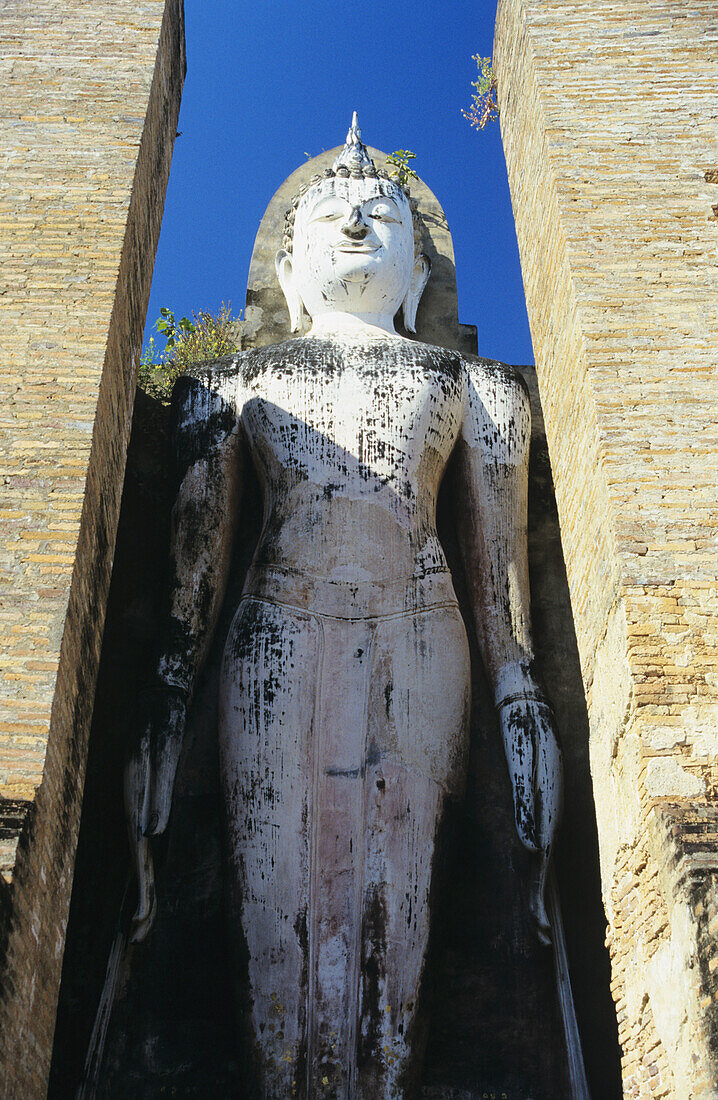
[[611, 138], [89, 111]]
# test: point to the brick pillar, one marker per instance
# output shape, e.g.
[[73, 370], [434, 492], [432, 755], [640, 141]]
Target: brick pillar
[[609, 126], [90, 103]]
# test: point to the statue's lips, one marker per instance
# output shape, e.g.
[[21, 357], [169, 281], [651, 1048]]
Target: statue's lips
[[357, 247]]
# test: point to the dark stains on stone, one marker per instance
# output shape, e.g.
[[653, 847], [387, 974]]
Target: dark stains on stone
[[201, 419], [325, 358], [503, 371], [494, 1025], [180, 642], [370, 1059], [388, 691], [519, 722]]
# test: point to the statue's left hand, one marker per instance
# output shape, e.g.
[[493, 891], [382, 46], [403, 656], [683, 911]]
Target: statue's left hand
[[149, 782], [535, 767], [137, 776]]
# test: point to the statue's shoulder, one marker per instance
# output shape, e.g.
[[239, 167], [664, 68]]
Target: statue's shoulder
[[484, 375], [435, 356], [206, 402], [498, 410], [212, 381], [256, 360], [214, 372], [492, 374]]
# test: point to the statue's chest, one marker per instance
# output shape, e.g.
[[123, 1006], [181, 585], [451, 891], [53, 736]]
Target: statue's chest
[[385, 416]]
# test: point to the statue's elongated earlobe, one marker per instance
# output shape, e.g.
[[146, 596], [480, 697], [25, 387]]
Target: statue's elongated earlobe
[[285, 274], [419, 278]]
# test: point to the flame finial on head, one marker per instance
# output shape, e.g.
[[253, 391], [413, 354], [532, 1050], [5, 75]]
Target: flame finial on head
[[354, 155]]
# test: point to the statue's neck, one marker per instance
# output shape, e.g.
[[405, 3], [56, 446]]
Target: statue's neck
[[338, 324]]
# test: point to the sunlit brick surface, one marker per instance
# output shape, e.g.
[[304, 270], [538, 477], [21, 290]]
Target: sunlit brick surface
[[88, 113], [609, 122]]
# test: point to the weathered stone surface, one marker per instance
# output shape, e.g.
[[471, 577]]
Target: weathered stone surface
[[495, 1025], [345, 684], [608, 123], [90, 104], [173, 1026]]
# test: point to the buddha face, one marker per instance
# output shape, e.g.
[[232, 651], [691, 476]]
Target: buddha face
[[353, 249]]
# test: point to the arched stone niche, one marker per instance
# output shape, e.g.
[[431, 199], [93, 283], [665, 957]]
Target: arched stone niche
[[266, 320]]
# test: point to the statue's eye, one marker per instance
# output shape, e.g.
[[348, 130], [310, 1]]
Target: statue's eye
[[383, 214], [328, 214]]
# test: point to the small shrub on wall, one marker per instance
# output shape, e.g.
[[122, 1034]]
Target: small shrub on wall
[[484, 107], [188, 342]]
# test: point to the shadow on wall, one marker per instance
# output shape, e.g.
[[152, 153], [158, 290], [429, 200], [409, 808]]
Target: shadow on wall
[[494, 1022]]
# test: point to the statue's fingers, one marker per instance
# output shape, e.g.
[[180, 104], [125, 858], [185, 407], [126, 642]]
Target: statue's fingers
[[549, 784], [521, 759], [164, 768], [144, 916], [537, 903], [136, 788]]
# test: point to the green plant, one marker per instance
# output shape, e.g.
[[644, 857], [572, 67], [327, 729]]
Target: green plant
[[483, 106], [400, 170], [153, 377], [171, 329], [207, 336]]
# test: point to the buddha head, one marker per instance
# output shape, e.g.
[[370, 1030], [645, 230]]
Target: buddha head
[[351, 244]]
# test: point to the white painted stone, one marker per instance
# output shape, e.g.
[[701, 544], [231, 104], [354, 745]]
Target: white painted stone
[[661, 738], [670, 978], [666, 778], [611, 750], [705, 744]]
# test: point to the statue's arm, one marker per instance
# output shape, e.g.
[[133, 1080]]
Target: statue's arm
[[491, 509], [208, 460], [207, 442]]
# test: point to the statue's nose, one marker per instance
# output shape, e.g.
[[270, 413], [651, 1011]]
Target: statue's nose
[[355, 227]]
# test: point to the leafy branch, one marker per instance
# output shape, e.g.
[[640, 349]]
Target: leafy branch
[[484, 107], [207, 336], [400, 170], [171, 329]]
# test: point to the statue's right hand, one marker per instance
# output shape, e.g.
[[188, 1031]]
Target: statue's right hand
[[164, 735]]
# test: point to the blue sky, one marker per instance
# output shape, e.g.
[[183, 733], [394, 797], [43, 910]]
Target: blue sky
[[270, 81]]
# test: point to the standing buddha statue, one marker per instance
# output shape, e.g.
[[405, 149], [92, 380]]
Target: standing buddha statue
[[345, 683]]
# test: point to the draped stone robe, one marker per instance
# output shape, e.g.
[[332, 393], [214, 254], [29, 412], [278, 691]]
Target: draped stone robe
[[344, 694]]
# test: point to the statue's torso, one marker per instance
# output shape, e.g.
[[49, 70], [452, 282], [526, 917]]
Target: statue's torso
[[351, 440], [344, 702]]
